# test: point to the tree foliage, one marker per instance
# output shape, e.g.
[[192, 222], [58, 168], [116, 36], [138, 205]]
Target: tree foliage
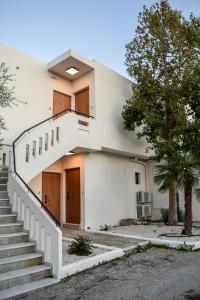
[[163, 60], [6, 91]]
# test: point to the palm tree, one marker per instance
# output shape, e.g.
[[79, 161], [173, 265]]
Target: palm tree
[[184, 169], [166, 177]]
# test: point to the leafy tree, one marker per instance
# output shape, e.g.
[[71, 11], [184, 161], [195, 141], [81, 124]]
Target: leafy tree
[[184, 169], [163, 60], [6, 91]]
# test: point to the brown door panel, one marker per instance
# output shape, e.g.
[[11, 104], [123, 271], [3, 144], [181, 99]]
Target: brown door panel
[[61, 102], [73, 196], [51, 192], [82, 102]]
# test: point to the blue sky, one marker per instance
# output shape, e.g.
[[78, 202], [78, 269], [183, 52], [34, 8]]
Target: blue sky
[[98, 29]]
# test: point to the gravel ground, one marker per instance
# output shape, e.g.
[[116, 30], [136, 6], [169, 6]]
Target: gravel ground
[[153, 231], [70, 258], [158, 274]]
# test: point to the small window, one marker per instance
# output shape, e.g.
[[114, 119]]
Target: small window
[[34, 149], [27, 153], [58, 134], [46, 141], [137, 178], [52, 137], [40, 145]]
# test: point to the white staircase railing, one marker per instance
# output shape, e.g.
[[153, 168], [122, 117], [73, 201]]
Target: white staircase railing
[[43, 144], [33, 151], [42, 228]]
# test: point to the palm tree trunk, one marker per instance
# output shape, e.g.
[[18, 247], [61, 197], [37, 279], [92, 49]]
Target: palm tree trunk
[[172, 219], [188, 211]]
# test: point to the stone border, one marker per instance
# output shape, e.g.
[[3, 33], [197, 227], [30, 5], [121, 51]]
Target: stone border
[[169, 243], [86, 263]]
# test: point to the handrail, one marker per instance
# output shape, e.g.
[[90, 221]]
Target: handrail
[[14, 159]]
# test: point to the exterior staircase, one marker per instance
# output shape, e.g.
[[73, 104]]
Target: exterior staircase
[[21, 267]]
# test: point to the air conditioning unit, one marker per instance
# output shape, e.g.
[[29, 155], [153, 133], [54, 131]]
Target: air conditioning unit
[[143, 197], [143, 211]]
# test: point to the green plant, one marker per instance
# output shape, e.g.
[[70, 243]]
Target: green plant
[[185, 247], [105, 227], [165, 214], [80, 246]]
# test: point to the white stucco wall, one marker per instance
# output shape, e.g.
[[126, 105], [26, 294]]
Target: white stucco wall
[[110, 189], [34, 87]]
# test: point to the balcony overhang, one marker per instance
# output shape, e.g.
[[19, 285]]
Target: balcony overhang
[[70, 59]]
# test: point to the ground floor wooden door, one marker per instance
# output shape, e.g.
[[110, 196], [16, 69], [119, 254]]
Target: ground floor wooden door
[[82, 101], [73, 208], [61, 102], [51, 192]]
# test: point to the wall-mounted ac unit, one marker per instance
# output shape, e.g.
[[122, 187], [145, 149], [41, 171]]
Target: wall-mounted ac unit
[[143, 211], [143, 197]]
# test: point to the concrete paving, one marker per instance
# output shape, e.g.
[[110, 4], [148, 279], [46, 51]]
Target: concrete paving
[[157, 274], [103, 239]]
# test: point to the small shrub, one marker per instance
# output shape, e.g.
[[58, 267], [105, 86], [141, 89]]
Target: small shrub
[[80, 246], [165, 215], [184, 247], [105, 227]]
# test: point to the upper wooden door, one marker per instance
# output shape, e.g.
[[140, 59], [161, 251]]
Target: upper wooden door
[[61, 102], [73, 208], [51, 192], [82, 101]]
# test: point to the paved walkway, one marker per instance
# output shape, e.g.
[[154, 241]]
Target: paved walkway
[[103, 239]]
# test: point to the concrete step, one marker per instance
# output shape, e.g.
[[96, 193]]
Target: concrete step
[[16, 249], [12, 238], [3, 180], [11, 227], [3, 173], [4, 202], [3, 187], [19, 262], [26, 288], [6, 209], [4, 195], [18, 277], [8, 218]]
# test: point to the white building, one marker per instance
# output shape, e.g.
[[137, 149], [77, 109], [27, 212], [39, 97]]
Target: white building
[[83, 166]]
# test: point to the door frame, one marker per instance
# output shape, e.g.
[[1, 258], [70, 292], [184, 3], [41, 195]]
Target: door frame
[[65, 195]]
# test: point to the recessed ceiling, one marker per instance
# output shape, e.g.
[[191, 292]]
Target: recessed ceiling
[[68, 61]]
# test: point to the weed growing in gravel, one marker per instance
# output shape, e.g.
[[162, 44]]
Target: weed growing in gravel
[[185, 247], [105, 227]]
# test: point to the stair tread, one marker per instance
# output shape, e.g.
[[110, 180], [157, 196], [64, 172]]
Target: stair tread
[[5, 206], [8, 215], [19, 258], [25, 271], [11, 224], [2, 235], [27, 287], [16, 245]]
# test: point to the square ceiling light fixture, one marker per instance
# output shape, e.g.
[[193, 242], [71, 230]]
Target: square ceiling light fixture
[[72, 71]]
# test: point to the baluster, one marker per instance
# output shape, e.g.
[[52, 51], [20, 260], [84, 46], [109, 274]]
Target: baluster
[[27, 223], [42, 238], [32, 226]]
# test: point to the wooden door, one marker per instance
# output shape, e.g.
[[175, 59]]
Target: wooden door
[[61, 102], [73, 209], [82, 101], [51, 192]]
